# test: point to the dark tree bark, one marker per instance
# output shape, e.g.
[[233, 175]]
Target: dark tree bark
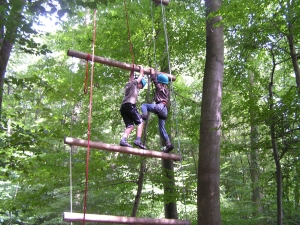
[[294, 58], [208, 191], [8, 40], [290, 38], [297, 188], [139, 189], [169, 190], [275, 149]]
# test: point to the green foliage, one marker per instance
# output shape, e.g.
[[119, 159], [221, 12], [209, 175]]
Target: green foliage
[[44, 102]]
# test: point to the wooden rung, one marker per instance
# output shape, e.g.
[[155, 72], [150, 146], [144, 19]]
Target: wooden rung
[[117, 148], [73, 217], [164, 2], [114, 63]]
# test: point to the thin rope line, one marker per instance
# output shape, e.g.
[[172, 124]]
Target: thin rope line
[[70, 163], [89, 120], [129, 38], [175, 106], [71, 147], [153, 36]]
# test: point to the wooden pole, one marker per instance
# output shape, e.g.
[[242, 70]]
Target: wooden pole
[[164, 2], [114, 63], [117, 148], [73, 217]]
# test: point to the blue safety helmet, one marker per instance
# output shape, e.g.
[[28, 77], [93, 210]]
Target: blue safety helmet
[[143, 81], [161, 78]]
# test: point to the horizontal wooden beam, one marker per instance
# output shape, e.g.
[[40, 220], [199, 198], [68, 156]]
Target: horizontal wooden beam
[[117, 148], [164, 2], [73, 217], [114, 63]]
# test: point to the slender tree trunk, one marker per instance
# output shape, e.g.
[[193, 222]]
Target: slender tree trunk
[[297, 186], [254, 156], [208, 191], [294, 58], [139, 190], [169, 190], [275, 150], [290, 38]]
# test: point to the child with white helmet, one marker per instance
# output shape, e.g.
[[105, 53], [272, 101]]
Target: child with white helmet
[[129, 111], [160, 107]]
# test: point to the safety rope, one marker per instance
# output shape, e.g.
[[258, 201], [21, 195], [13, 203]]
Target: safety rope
[[88, 58], [129, 39], [153, 36], [71, 146], [175, 106], [89, 122], [70, 162]]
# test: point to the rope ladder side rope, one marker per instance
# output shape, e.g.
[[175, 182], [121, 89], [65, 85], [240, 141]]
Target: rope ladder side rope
[[174, 114], [89, 121]]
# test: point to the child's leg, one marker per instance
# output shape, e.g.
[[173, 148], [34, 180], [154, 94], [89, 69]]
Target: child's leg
[[162, 130], [127, 132], [123, 141], [125, 112], [139, 131], [148, 108], [163, 133]]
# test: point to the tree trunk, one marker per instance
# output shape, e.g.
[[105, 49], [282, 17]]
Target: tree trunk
[[140, 188], [169, 190], [254, 156], [294, 58], [4, 57], [208, 191], [275, 150], [8, 42], [297, 186], [290, 38]]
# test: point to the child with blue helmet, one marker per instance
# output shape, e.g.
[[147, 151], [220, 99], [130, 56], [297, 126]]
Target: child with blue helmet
[[161, 99], [129, 111]]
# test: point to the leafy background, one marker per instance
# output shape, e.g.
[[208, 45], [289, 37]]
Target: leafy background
[[43, 102]]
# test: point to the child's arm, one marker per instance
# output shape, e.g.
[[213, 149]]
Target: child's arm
[[152, 73], [153, 76], [131, 75], [141, 74]]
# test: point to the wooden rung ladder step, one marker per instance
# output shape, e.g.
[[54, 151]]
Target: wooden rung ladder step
[[114, 63], [117, 148], [75, 217]]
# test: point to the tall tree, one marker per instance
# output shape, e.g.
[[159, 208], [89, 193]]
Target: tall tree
[[8, 32], [275, 147], [208, 191], [254, 156]]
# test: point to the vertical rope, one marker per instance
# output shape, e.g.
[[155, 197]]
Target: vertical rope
[[129, 39], [89, 121], [71, 182], [70, 163], [153, 36], [71, 147], [175, 106]]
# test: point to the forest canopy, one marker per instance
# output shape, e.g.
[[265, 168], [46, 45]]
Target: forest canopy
[[43, 101]]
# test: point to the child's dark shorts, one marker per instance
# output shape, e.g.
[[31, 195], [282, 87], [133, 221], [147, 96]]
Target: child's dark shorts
[[130, 115]]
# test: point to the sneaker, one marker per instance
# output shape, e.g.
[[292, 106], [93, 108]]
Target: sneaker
[[168, 148], [139, 144], [144, 117], [125, 143]]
